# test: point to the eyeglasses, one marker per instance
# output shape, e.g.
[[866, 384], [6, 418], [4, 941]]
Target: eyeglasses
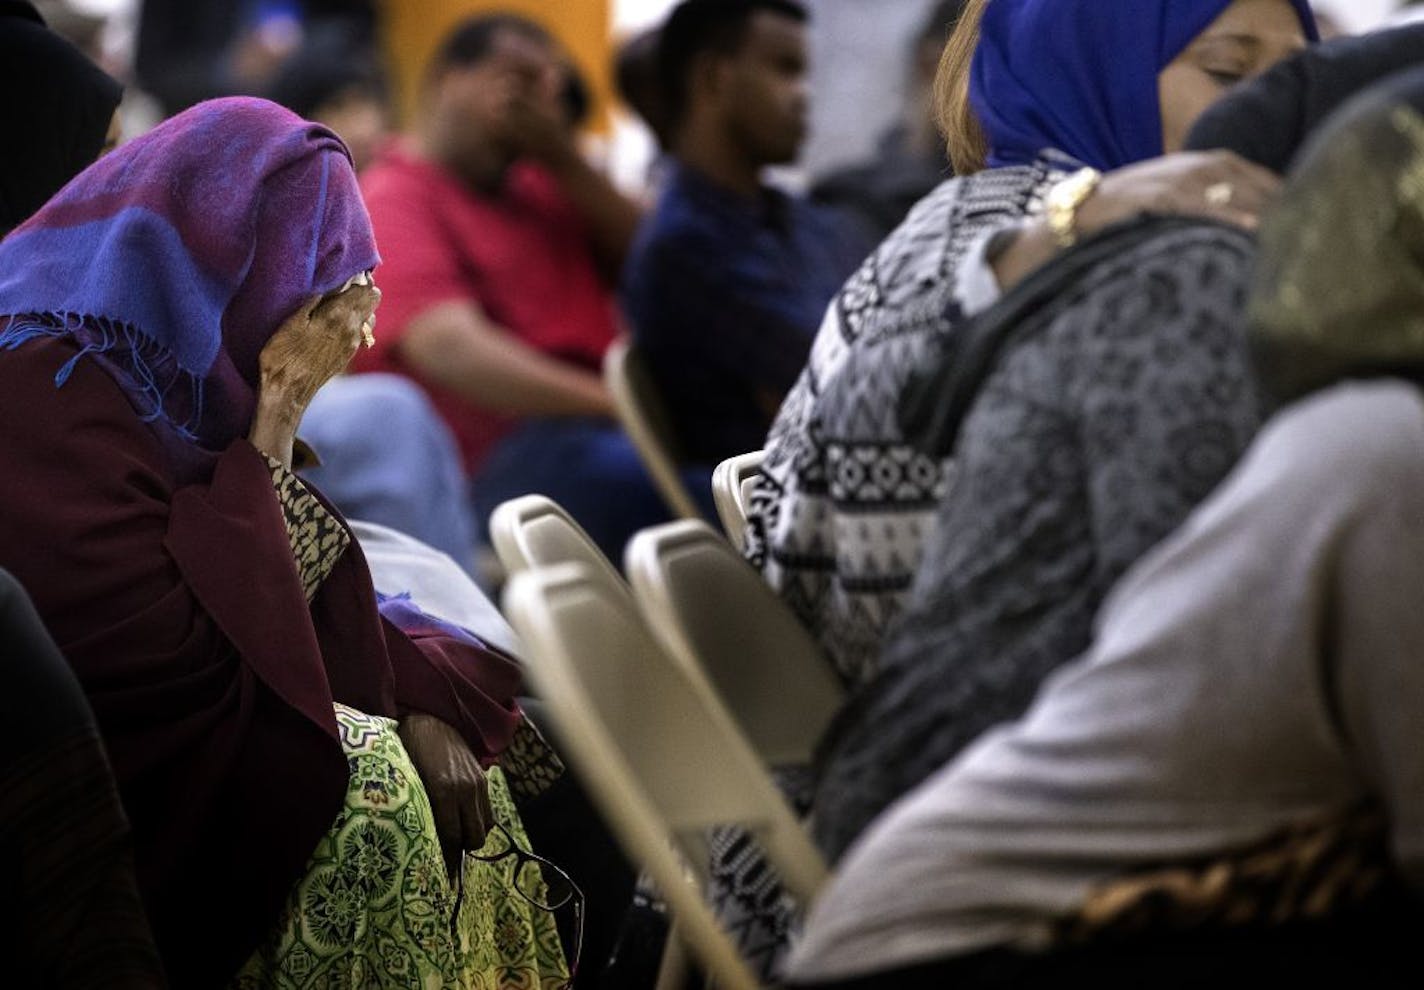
[[548, 889]]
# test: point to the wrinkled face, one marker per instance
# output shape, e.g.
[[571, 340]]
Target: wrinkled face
[[763, 89], [479, 97], [1248, 38]]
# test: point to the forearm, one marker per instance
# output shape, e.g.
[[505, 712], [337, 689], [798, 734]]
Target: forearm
[[274, 427], [1022, 251], [612, 218], [443, 671], [493, 369]]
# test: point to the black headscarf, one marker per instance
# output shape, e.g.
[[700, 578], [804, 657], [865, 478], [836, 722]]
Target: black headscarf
[[1268, 119], [57, 104], [333, 61], [1339, 288]]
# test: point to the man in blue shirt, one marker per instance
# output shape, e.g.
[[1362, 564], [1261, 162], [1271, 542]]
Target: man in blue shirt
[[728, 279]]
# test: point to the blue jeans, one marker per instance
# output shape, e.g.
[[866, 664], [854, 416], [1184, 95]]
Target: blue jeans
[[388, 458], [588, 466]]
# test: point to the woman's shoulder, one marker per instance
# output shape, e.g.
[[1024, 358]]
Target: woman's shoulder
[[942, 226], [82, 411], [1177, 268], [1151, 258], [1189, 240]]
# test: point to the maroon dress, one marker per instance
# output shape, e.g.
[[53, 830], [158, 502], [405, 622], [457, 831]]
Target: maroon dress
[[180, 607]]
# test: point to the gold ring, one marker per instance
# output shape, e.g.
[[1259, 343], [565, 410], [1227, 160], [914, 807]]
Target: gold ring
[[368, 336], [1220, 194]]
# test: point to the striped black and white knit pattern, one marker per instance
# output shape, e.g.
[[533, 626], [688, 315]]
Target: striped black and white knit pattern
[[840, 516], [839, 519]]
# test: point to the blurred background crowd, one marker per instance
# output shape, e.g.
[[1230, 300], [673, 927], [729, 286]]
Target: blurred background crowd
[[171, 54]]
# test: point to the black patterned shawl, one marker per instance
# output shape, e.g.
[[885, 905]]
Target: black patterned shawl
[[1110, 394]]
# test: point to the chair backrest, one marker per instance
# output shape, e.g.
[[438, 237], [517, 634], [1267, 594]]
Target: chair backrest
[[535, 531], [715, 614], [731, 486], [660, 756], [644, 415]]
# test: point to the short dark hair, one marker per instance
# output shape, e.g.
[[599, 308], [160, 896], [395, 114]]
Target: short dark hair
[[331, 63], [575, 98], [941, 22], [701, 27], [636, 77], [472, 41]]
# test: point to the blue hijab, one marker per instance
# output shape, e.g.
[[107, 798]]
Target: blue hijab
[[1080, 76]]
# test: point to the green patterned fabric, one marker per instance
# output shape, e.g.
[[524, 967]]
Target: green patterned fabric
[[373, 911]]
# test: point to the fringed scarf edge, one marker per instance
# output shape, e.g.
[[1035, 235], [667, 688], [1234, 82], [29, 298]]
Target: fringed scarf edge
[[151, 372]]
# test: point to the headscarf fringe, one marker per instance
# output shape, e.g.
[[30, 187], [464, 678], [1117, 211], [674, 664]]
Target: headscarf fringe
[[151, 369]]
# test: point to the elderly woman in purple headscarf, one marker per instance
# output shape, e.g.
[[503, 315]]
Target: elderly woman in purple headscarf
[[293, 754]]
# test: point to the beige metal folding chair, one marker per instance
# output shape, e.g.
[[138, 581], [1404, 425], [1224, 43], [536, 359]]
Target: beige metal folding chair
[[535, 531], [663, 760], [731, 487], [714, 614], [644, 415]]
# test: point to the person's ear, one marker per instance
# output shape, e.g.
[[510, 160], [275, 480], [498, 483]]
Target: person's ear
[[709, 79]]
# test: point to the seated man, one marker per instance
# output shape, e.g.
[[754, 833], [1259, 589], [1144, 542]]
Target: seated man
[[386, 457], [499, 243], [728, 279]]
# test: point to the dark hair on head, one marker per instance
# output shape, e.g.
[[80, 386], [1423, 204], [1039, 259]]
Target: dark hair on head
[[702, 27], [472, 41], [941, 22], [575, 98], [635, 75], [332, 63]]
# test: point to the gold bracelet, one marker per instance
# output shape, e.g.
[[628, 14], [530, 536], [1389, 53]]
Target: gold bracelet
[[1062, 202]]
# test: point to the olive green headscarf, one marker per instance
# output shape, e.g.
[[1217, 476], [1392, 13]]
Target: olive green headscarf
[[1339, 289]]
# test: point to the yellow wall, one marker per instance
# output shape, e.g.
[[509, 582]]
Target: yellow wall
[[413, 29]]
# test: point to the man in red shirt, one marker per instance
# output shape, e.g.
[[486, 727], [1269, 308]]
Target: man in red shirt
[[500, 247]]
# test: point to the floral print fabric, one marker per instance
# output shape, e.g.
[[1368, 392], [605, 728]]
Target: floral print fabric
[[374, 908]]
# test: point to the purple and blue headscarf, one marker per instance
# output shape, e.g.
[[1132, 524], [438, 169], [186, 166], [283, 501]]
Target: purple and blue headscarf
[[1080, 76], [173, 260]]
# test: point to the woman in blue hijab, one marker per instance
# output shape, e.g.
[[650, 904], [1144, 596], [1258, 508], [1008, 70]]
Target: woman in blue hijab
[[1113, 82], [845, 505]]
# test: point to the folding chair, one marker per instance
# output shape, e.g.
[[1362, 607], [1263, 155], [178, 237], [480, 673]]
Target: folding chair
[[535, 531], [731, 487], [660, 756], [644, 415], [715, 615]]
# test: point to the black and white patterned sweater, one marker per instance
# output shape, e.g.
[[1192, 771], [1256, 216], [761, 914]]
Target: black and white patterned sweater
[[840, 517]]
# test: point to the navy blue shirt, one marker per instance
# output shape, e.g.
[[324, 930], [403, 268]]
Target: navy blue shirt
[[725, 295]]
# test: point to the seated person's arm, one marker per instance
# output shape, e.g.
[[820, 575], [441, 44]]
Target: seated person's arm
[[455, 345], [1174, 184], [610, 217]]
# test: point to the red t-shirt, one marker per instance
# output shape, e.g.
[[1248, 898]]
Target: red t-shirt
[[523, 257]]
